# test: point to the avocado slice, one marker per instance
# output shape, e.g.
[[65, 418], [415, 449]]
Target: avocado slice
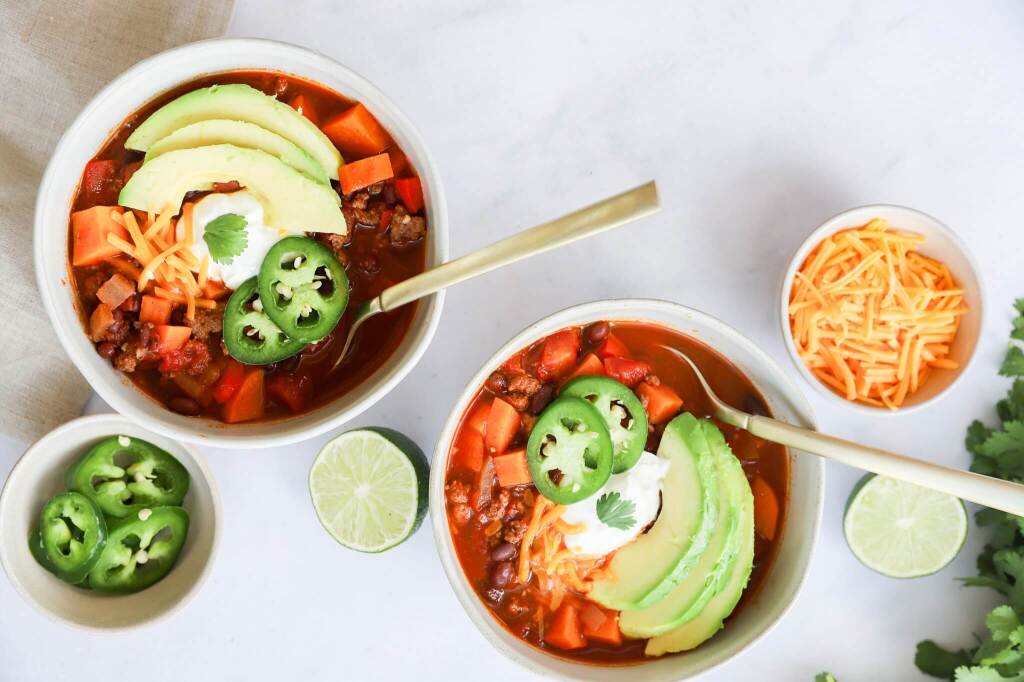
[[648, 569], [240, 134], [713, 570], [702, 628], [291, 201], [237, 101]]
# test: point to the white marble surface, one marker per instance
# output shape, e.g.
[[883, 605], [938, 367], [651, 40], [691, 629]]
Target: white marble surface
[[759, 120]]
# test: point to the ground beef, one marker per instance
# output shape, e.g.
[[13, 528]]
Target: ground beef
[[119, 330], [517, 606], [337, 244], [495, 509], [361, 209], [514, 531], [139, 348], [520, 401], [207, 322], [458, 492], [91, 282], [406, 229], [523, 383]]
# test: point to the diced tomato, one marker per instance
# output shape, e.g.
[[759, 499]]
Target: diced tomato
[[502, 426], [591, 365], [766, 509], [484, 486], [302, 104], [511, 468], [247, 402], [89, 230], [611, 347], [558, 354], [600, 625], [469, 449], [384, 222], [170, 337], [100, 321], [565, 631], [357, 133], [230, 379], [629, 372], [514, 365], [410, 191], [661, 402], [155, 310], [193, 357], [101, 181], [293, 390]]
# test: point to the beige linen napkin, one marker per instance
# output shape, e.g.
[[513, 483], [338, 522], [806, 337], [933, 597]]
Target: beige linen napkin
[[54, 56]]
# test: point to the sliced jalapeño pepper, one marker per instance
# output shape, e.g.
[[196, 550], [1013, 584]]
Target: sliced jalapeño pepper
[[303, 287], [71, 536], [123, 474], [569, 452], [250, 335], [140, 550], [623, 414]]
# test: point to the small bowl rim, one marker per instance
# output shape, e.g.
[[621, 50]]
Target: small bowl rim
[[471, 605], [113, 420], [130, 400], [831, 226]]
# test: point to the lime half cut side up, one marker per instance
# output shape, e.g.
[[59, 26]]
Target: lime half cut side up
[[369, 488], [903, 530]]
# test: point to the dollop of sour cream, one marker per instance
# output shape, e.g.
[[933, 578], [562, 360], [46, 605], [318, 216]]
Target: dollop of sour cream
[[259, 237], [640, 485]]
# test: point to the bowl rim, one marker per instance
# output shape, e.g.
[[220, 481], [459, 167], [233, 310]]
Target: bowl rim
[[831, 226], [126, 401], [113, 420], [444, 545]]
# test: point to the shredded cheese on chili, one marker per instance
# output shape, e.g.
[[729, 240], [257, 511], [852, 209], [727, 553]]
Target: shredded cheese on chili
[[871, 317], [166, 261]]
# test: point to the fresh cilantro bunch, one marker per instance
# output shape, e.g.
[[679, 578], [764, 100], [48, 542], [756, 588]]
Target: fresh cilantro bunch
[[997, 452]]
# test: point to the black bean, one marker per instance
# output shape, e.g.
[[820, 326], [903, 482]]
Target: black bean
[[596, 333], [497, 382], [541, 398], [503, 552], [185, 406], [501, 574], [106, 350]]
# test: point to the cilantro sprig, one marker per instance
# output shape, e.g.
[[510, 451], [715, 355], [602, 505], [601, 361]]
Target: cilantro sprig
[[225, 237], [997, 452], [615, 511]]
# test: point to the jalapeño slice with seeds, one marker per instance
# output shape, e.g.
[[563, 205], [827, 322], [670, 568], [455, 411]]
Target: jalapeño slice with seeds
[[123, 474], [70, 538], [569, 452], [624, 415], [140, 550], [250, 335], [303, 287]]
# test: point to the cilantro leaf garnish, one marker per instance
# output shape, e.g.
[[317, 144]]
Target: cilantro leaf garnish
[[616, 512], [225, 237], [999, 452]]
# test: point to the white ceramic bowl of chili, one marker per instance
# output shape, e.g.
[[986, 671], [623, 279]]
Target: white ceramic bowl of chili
[[39, 475], [941, 244], [799, 532], [104, 114]]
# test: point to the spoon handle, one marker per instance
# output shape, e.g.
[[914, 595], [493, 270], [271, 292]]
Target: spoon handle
[[985, 490], [604, 215]]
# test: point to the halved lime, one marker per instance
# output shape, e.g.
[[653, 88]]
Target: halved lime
[[903, 530], [369, 488]]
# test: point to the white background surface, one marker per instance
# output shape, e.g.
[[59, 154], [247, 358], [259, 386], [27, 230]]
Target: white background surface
[[759, 121]]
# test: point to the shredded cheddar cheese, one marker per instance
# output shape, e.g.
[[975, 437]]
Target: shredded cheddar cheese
[[871, 317], [167, 263]]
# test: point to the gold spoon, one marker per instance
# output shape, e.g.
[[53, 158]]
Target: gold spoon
[[985, 490], [615, 211]]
